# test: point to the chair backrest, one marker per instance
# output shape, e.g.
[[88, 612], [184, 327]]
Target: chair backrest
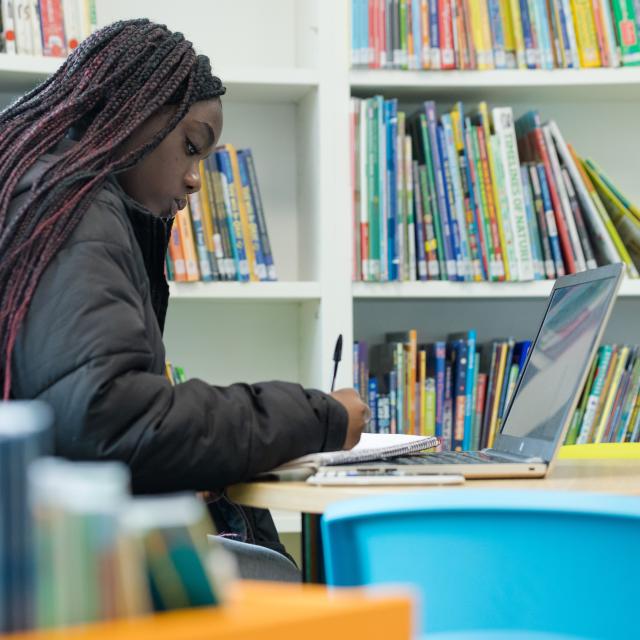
[[555, 562]]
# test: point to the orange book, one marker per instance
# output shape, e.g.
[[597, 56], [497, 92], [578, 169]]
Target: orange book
[[177, 255], [183, 218]]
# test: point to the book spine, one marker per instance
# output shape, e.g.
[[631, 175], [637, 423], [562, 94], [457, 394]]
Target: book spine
[[188, 245], [509, 35], [496, 263], [551, 221], [460, 393], [532, 222], [431, 243], [401, 201], [497, 31], [469, 391], [565, 205], [416, 28], [260, 216], [450, 270], [475, 201], [445, 29], [233, 213], [611, 392], [450, 258], [610, 34], [601, 37], [373, 197], [72, 11], [381, 172], [626, 28], [586, 33], [225, 220], [450, 211], [177, 255], [544, 36], [604, 357], [541, 214], [439, 351], [458, 212], [468, 198], [579, 220], [505, 131], [212, 239], [420, 225], [410, 255], [364, 192], [204, 260], [52, 24], [518, 34], [531, 51], [391, 108], [8, 26], [485, 29], [425, 62], [252, 222], [447, 425]]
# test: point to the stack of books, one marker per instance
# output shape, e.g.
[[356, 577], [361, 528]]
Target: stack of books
[[459, 390], [45, 27], [479, 196], [222, 233], [131, 556], [24, 430], [494, 34]]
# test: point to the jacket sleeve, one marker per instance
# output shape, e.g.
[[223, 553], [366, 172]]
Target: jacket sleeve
[[86, 349]]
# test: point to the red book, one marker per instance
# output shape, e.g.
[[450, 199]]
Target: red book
[[445, 27], [538, 143], [53, 42], [598, 19]]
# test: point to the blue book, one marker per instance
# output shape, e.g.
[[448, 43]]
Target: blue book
[[432, 127], [373, 426], [257, 230], [545, 46], [497, 32], [436, 356], [459, 214], [459, 360], [469, 405], [223, 165], [391, 130], [530, 49], [417, 34], [434, 35], [564, 28], [245, 157], [552, 230], [449, 208]]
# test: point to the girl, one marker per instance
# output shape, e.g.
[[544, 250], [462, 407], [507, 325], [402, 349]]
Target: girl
[[94, 164]]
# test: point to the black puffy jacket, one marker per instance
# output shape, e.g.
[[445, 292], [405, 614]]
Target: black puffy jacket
[[92, 347]]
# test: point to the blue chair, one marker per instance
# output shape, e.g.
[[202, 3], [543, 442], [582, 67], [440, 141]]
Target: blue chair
[[541, 562]]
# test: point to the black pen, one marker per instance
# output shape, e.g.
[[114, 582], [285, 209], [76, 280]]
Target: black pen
[[337, 355]]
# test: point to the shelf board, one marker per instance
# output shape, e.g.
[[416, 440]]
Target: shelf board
[[21, 72], [246, 291], [467, 290], [497, 85], [269, 85]]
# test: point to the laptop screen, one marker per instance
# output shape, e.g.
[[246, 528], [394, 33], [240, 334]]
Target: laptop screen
[[560, 355]]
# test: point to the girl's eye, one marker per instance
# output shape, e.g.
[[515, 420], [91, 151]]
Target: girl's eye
[[192, 150]]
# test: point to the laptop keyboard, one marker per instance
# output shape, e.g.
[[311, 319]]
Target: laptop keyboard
[[450, 457]]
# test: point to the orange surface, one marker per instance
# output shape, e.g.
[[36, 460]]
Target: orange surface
[[264, 611]]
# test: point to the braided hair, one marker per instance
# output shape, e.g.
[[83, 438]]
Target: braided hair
[[114, 81]]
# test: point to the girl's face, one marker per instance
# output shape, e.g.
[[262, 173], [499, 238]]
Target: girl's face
[[163, 179]]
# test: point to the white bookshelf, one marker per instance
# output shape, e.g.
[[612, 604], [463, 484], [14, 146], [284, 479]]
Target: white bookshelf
[[286, 66]]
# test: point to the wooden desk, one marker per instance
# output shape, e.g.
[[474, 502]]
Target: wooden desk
[[620, 477]]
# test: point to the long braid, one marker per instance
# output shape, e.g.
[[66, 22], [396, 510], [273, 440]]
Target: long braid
[[114, 81]]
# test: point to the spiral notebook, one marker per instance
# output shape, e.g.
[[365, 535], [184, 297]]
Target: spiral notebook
[[372, 446]]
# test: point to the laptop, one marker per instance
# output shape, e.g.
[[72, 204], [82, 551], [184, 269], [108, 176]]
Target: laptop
[[548, 389]]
